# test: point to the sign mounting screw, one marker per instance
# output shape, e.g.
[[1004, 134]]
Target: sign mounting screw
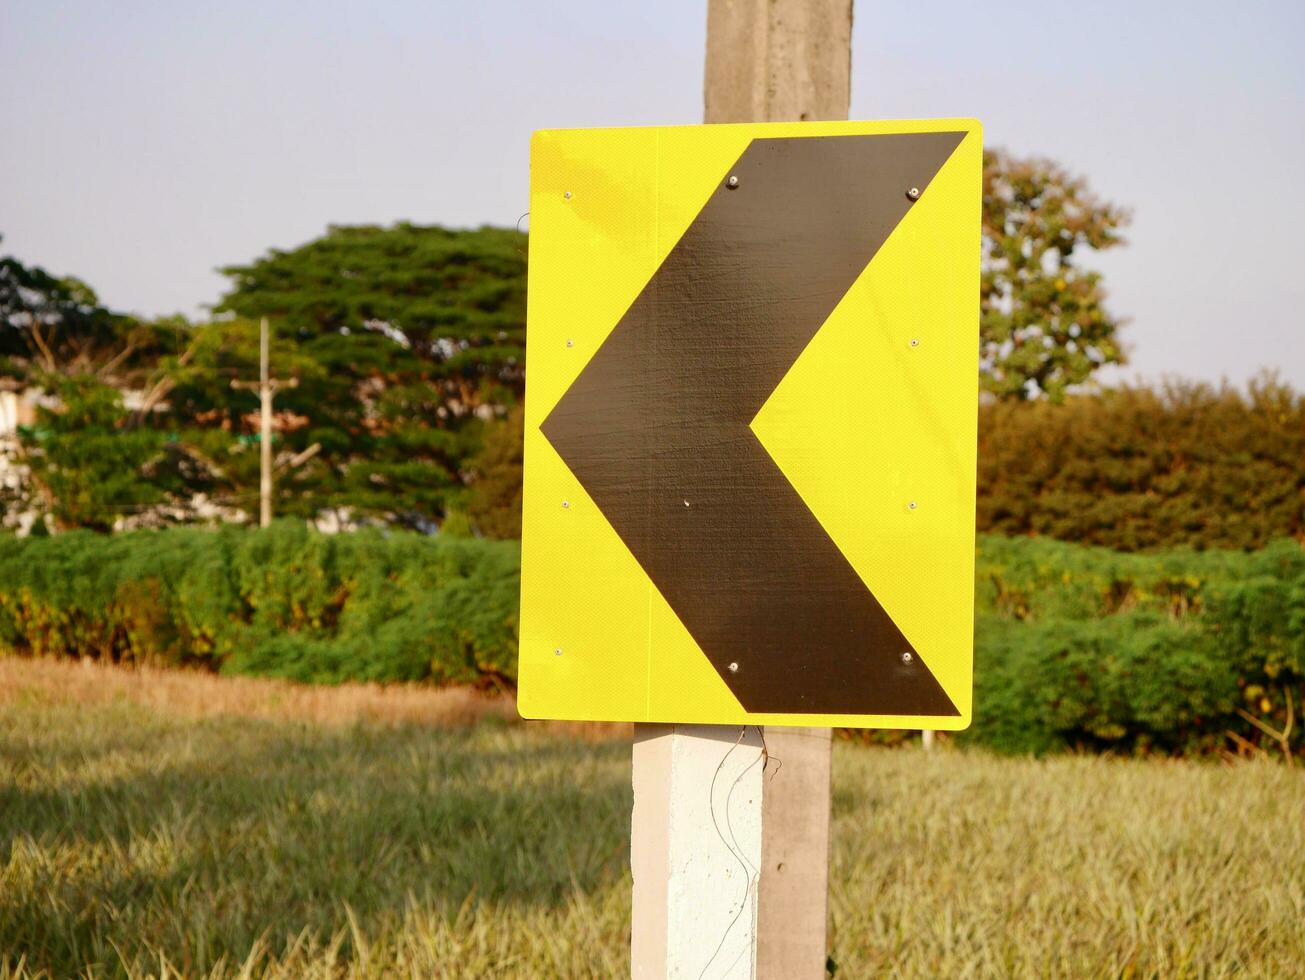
[[911, 505], [734, 667], [557, 651], [915, 342], [906, 657], [570, 343], [566, 503], [732, 182], [567, 195], [913, 193]]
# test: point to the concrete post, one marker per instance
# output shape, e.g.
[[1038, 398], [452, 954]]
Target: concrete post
[[695, 851], [769, 61], [775, 60], [694, 914]]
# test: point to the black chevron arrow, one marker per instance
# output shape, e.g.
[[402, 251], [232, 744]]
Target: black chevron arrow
[[656, 427]]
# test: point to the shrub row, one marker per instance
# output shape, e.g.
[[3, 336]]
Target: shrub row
[[1076, 646], [1140, 469], [284, 602], [1085, 647]]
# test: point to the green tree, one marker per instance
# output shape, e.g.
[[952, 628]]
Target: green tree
[[88, 460], [417, 334], [1043, 326], [218, 426], [494, 506], [57, 325], [87, 465], [45, 316]]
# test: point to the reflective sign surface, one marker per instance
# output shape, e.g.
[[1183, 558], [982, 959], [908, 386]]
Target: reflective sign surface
[[750, 424]]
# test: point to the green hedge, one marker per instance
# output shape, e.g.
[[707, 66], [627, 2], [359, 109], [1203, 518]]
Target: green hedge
[[1075, 646], [1137, 469], [285, 602], [1085, 647]]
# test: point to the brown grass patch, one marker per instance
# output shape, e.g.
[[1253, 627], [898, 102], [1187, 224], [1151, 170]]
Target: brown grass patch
[[194, 694]]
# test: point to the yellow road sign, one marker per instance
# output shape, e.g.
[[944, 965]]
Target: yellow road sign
[[750, 424]]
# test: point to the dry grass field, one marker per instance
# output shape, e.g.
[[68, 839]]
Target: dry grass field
[[162, 825]]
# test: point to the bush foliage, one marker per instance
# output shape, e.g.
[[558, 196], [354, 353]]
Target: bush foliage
[[1084, 647], [1140, 469], [1077, 647], [285, 602]]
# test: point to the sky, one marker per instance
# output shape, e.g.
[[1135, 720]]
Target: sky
[[144, 144]]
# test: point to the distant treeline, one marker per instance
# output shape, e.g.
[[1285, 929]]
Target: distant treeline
[[1138, 469], [406, 348], [1174, 652]]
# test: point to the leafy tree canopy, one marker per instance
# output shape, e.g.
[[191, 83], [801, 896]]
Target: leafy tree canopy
[[88, 460], [50, 325], [405, 340], [88, 466], [494, 507], [1043, 327], [444, 305]]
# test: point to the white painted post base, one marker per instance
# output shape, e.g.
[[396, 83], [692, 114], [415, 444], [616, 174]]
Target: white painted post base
[[695, 851]]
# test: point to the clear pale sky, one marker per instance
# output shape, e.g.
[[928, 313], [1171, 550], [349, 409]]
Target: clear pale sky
[[143, 144]]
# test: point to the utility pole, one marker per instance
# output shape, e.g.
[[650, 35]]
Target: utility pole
[[778, 60], [266, 388], [767, 61]]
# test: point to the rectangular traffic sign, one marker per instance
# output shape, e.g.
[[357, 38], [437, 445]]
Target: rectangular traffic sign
[[751, 417]]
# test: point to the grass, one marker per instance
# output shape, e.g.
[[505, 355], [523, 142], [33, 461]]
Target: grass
[[143, 838], [199, 694]]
